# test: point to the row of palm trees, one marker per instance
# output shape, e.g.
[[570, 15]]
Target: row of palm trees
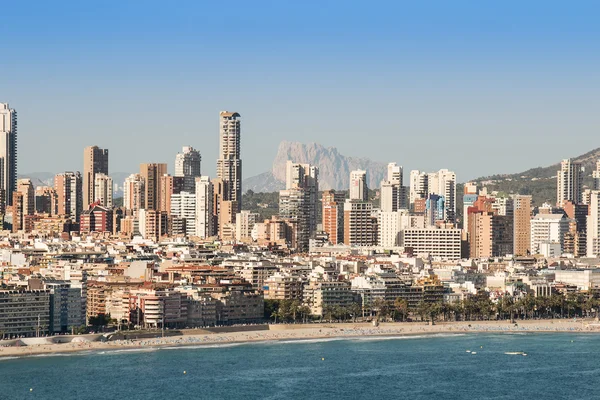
[[472, 308]]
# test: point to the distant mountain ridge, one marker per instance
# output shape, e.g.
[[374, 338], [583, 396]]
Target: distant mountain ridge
[[334, 168], [47, 179]]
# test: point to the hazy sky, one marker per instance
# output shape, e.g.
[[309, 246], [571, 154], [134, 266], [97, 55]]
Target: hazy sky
[[478, 88]]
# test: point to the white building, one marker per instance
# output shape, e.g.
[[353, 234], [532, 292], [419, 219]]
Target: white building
[[183, 206], [441, 183], [103, 189], [358, 185], [593, 225], [583, 279], [548, 228], [569, 182], [388, 223], [204, 208], [418, 186], [442, 244], [187, 165], [133, 192]]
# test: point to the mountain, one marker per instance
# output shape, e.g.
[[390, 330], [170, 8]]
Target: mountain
[[263, 183], [47, 179]]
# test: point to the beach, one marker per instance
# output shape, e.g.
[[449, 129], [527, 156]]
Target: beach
[[301, 332]]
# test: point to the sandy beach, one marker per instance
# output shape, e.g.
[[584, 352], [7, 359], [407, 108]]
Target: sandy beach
[[304, 332]]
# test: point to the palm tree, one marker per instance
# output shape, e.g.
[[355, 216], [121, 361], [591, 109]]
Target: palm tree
[[401, 306], [355, 309]]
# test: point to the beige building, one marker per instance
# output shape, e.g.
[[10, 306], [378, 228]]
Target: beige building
[[282, 286], [133, 192], [103, 190], [95, 161], [69, 194], [321, 296], [360, 226]]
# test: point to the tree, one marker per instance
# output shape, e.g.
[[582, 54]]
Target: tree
[[401, 307], [355, 310]]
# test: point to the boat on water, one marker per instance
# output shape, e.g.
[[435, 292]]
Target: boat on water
[[515, 353]]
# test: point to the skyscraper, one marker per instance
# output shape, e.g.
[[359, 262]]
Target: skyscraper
[[23, 206], [8, 152], [187, 166], [333, 215], [522, 225], [95, 161], [205, 220], [569, 182], [593, 225], [442, 183], [305, 177], [392, 193], [68, 188], [103, 190], [358, 185], [152, 174], [134, 192], [229, 164]]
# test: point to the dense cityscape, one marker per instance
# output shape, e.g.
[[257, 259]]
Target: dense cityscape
[[181, 251]]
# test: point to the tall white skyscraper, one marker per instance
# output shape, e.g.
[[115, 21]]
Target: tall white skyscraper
[[187, 165], [358, 185], [133, 192], [569, 182], [8, 152], [205, 218], [593, 225], [306, 178], [392, 193], [418, 186], [183, 208], [103, 190], [229, 164]]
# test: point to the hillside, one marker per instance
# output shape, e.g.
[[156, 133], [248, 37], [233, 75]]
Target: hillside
[[538, 182]]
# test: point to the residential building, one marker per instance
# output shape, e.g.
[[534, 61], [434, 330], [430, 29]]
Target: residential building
[[548, 228], [593, 225], [95, 161], [103, 190], [205, 219], [442, 244], [333, 215], [8, 153], [229, 164], [294, 206], [360, 225], [96, 219], [183, 207], [24, 313], [569, 182], [187, 166], [152, 173], [306, 177], [70, 197], [596, 176], [133, 192], [522, 225], [244, 224], [170, 185], [358, 185], [46, 200], [321, 296]]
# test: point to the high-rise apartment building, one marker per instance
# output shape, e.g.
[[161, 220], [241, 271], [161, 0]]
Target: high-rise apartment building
[[441, 183], [392, 193], [95, 161], [569, 182], [593, 225], [103, 190], [522, 225], [8, 153], [575, 239], [305, 177], [205, 218], [134, 192], [360, 225], [46, 200], [187, 166], [333, 215], [229, 164], [596, 176], [358, 185], [26, 187], [68, 188], [294, 207], [490, 235], [170, 185], [548, 228], [244, 223], [23, 206], [152, 173], [183, 208]]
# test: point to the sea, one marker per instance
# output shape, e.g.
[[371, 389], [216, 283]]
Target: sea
[[438, 366]]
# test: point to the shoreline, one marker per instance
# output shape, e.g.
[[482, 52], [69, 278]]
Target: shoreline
[[300, 333]]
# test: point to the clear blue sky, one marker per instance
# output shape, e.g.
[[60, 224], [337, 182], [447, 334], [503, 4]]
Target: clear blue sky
[[477, 87]]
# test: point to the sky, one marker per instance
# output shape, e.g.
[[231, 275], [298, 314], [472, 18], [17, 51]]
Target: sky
[[476, 87]]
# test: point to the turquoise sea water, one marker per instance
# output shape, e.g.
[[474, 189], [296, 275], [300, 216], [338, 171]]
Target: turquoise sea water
[[557, 365]]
